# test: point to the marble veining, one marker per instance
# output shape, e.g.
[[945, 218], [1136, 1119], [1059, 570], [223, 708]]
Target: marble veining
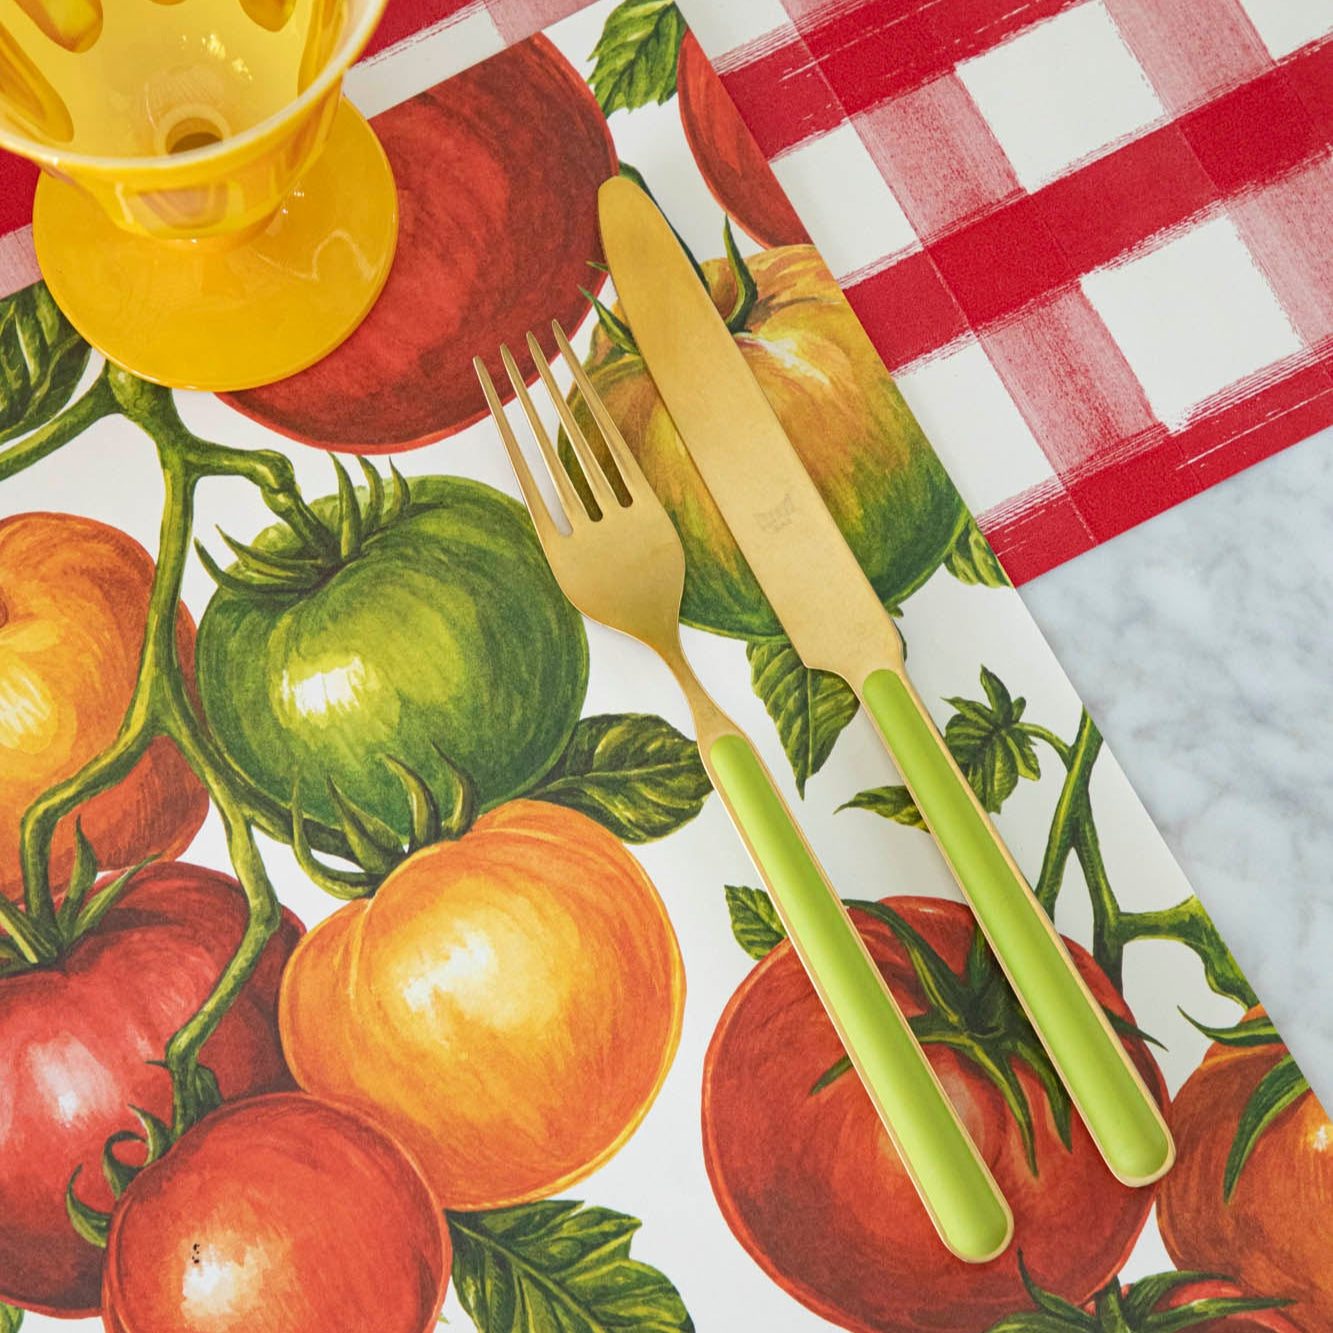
[[1201, 641]]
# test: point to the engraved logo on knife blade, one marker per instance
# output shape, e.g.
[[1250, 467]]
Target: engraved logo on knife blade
[[782, 515]]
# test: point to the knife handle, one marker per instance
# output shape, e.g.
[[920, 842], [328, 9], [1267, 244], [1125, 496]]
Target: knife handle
[[1115, 1105], [959, 1193]]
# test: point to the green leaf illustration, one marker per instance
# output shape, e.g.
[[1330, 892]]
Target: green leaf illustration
[[1283, 1085], [634, 773], [893, 803], [41, 359], [635, 57], [11, 1320], [809, 708], [971, 560], [559, 1267], [754, 920], [991, 744]]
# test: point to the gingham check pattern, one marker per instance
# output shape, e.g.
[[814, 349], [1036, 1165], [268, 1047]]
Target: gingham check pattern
[[1093, 239]]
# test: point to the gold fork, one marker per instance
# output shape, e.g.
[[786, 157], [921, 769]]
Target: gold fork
[[624, 566]]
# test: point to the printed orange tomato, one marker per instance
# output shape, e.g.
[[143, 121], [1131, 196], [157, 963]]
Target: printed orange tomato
[[507, 1005], [497, 171], [76, 1039], [846, 419], [1247, 1118], [73, 600], [810, 1185], [727, 156], [277, 1215]]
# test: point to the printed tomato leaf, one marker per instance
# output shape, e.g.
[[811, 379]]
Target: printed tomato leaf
[[754, 920], [559, 1267], [1276, 1091], [971, 560], [992, 746], [11, 1320], [635, 57], [634, 773], [41, 359], [893, 803], [809, 708]]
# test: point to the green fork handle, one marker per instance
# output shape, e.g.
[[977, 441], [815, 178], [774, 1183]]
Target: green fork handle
[[955, 1185], [1117, 1108]]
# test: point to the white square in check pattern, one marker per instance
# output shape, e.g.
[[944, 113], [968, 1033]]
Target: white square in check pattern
[[844, 201], [723, 27], [975, 426], [1287, 25], [1192, 317], [1061, 91]]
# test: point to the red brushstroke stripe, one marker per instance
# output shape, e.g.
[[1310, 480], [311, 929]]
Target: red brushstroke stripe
[[1191, 50], [1030, 248], [939, 156], [1070, 381], [1311, 75], [1255, 133], [1036, 531], [883, 48], [1044, 527], [1151, 185], [18, 179], [402, 18], [907, 310], [783, 97]]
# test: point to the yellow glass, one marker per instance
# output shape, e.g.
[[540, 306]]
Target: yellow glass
[[212, 214]]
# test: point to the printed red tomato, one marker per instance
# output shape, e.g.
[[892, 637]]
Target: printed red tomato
[[75, 1042], [1271, 1230], [73, 600], [810, 1185], [731, 163], [865, 451], [507, 1005], [281, 1214], [497, 171]]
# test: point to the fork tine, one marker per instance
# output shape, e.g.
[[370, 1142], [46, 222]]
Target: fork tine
[[527, 483], [569, 497], [631, 474], [598, 482]]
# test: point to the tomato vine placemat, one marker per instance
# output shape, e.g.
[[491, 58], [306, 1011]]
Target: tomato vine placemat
[[313, 780]]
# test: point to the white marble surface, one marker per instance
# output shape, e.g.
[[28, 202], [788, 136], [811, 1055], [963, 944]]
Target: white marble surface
[[1201, 641]]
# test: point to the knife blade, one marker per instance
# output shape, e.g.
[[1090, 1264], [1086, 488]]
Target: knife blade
[[836, 623]]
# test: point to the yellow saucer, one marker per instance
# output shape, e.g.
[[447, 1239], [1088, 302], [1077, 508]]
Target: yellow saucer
[[229, 314]]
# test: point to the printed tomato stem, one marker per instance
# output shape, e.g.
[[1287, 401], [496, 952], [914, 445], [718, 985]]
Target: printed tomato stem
[[1072, 808], [98, 402], [191, 1101], [1073, 828]]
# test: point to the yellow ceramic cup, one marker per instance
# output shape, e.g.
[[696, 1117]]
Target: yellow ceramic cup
[[212, 213]]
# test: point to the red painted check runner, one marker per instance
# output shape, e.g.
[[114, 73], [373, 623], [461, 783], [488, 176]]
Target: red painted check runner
[[1090, 237]]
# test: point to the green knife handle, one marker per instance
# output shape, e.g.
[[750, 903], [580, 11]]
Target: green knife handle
[[955, 1185], [1116, 1107]]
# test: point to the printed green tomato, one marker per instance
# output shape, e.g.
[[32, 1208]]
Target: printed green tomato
[[443, 641]]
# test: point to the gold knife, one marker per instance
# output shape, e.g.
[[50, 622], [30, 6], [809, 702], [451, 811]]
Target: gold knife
[[837, 623]]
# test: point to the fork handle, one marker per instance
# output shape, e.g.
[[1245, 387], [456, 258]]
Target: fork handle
[[1115, 1105], [955, 1185]]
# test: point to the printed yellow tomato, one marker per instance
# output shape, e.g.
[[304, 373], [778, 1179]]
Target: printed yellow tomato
[[863, 448], [73, 601], [506, 1005]]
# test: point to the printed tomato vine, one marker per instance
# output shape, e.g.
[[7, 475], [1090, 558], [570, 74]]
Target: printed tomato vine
[[634, 774]]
